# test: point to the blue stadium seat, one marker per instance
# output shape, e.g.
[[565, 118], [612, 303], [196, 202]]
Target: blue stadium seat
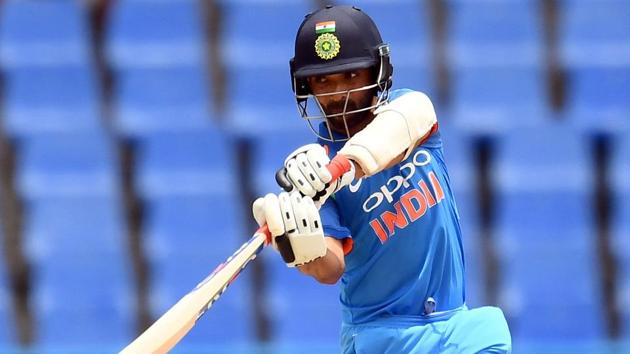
[[260, 100], [230, 320], [64, 165], [156, 34], [89, 225], [545, 234], [297, 299], [77, 249], [620, 235], [495, 51], [405, 26], [459, 156], [83, 299], [193, 225], [261, 30], [51, 100], [270, 151], [166, 99], [548, 160], [491, 100], [494, 33], [199, 162], [43, 33], [593, 46], [597, 98], [594, 33]]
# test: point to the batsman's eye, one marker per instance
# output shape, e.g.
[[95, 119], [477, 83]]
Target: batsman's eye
[[320, 79]]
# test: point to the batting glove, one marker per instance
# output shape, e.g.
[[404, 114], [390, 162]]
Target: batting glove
[[294, 224], [305, 171]]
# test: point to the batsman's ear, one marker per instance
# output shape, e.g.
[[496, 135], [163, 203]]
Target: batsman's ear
[[283, 180]]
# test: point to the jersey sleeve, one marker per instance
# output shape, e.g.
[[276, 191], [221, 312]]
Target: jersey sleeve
[[331, 220]]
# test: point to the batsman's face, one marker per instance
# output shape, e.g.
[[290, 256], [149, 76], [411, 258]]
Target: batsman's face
[[336, 104]]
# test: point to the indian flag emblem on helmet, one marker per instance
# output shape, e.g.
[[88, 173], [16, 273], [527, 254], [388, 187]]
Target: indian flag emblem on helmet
[[325, 27], [327, 46]]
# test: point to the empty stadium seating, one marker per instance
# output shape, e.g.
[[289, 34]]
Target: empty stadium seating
[[50, 33], [156, 34], [594, 33], [544, 225], [67, 165], [166, 99], [597, 98], [63, 99], [593, 47], [495, 54], [491, 100], [79, 299], [192, 225], [198, 162], [486, 33]]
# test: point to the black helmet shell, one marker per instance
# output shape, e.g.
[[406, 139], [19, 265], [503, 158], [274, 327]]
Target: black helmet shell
[[336, 39]]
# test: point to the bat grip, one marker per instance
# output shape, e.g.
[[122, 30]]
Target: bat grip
[[337, 167]]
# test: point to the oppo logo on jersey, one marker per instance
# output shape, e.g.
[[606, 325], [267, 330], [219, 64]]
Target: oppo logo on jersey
[[411, 206], [420, 158]]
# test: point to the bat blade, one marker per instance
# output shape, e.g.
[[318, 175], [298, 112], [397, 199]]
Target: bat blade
[[169, 329]]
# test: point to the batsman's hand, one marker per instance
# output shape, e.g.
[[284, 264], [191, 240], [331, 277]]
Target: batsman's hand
[[305, 171], [294, 224]]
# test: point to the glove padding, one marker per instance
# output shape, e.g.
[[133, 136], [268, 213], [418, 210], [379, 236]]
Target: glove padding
[[305, 171], [294, 224]]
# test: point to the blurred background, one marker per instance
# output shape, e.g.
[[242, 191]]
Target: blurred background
[[134, 135]]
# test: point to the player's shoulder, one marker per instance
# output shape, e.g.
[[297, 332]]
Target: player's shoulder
[[425, 105]]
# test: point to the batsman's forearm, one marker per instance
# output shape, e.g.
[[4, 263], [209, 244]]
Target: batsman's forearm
[[327, 269]]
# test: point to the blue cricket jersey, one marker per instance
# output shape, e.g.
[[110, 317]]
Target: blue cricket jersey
[[404, 230]]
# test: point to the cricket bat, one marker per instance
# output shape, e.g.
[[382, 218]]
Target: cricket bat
[[169, 329]]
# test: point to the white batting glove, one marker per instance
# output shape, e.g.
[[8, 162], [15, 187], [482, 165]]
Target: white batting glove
[[294, 224], [305, 171]]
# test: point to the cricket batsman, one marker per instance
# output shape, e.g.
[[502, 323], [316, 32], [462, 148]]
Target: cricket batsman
[[389, 228]]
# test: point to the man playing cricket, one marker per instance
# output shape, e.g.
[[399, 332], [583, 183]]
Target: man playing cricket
[[389, 228]]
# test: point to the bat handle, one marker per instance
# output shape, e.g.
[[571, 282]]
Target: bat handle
[[265, 231], [337, 167]]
